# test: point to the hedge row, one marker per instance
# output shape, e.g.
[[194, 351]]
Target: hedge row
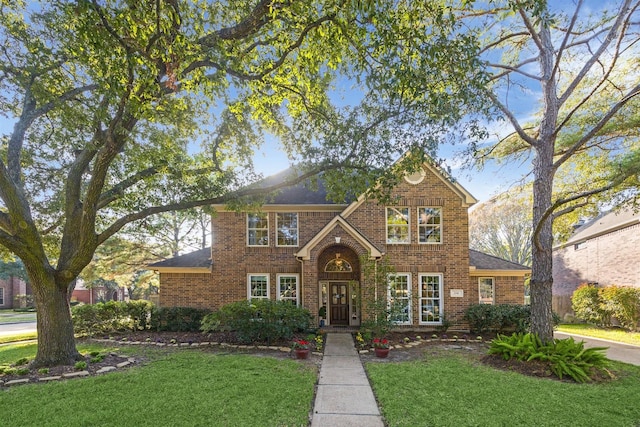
[[600, 305], [114, 316], [501, 318], [259, 320]]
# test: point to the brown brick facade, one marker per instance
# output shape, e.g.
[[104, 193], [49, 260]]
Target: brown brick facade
[[359, 230]]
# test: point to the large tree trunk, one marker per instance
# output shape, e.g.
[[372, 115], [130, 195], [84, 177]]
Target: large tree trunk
[[542, 256], [56, 342]]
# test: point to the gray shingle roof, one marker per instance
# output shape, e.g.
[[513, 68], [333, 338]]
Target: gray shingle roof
[[198, 259], [482, 261], [603, 224], [306, 193]]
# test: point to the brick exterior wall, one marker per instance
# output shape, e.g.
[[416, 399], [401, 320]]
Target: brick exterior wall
[[508, 289], [12, 287], [610, 259], [233, 260]]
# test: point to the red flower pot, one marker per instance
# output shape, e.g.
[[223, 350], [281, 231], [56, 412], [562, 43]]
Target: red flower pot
[[381, 352], [302, 353]]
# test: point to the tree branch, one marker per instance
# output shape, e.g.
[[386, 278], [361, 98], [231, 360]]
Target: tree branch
[[611, 35], [514, 121]]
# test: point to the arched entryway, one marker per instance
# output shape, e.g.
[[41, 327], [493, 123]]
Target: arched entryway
[[339, 285]]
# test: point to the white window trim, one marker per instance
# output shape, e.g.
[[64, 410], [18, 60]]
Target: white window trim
[[297, 230], [408, 276], [493, 287], [420, 298], [386, 225], [280, 298], [249, 276], [1, 296], [418, 225], [247, 231]]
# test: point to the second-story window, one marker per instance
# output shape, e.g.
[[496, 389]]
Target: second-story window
[[429, 225], [398, 225], [257, 229], [287, 229]]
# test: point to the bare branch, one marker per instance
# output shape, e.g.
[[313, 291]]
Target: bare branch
[[621, 18], [514, 121]]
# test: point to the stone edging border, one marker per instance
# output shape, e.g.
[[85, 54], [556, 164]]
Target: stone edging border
[[424, 341], [70, 375], [205, 344]]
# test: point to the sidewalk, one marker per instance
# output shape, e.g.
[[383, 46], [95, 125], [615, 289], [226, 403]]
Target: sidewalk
[[344, 397], [621, 352]]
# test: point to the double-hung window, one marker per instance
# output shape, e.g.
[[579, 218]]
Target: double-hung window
[[429, 225], [257, 229], [288, 289], [486, 288], [398, 225], [431, 298], [257, 286], [1, 296], [399, 298], [287, 229]]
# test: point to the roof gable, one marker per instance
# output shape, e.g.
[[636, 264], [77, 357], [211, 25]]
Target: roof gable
[[305, 252]]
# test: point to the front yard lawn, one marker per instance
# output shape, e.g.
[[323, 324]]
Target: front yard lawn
[[184, 387], [455, 391], [613, 334]]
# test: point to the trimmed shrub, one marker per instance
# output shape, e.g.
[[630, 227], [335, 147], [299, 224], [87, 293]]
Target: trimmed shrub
[[586, 302], [623, 302], [91, 319], [178, 319], [565, 357], [111, 316], [259, 320], [498, 318], [139, 312]]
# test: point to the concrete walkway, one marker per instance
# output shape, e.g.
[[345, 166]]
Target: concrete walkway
[[344, 397], [617, 351]]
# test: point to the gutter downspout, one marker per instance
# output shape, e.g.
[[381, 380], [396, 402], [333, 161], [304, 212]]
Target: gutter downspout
[[299, 259]]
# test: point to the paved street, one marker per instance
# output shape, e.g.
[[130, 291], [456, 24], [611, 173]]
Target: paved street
[[17, 328], [617, 351]]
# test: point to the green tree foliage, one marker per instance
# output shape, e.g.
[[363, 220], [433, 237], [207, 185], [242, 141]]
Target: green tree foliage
[[579, 71], [107, 99], [501, 226]]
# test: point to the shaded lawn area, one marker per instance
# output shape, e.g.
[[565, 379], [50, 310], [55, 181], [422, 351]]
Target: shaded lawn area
[[613, 334], [186, 387], [453, 391]]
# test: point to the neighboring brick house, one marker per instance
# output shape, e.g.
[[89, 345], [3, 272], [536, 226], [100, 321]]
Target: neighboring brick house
[[15, 293], [97, 294], [605, 250], [307, 250]]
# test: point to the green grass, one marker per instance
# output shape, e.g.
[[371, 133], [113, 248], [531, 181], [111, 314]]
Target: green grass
[[187, 387], [18, 337], [613, 334], [452, 391], [10, 353]]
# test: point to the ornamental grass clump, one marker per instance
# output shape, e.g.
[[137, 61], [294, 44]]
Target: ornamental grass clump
[[565, 357]]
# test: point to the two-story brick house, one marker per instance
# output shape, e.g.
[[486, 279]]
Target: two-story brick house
[[307, 250], [603, 250]]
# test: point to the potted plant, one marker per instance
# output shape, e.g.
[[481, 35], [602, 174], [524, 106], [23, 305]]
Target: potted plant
[[322, 314], [301, 348], [381, 347]]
